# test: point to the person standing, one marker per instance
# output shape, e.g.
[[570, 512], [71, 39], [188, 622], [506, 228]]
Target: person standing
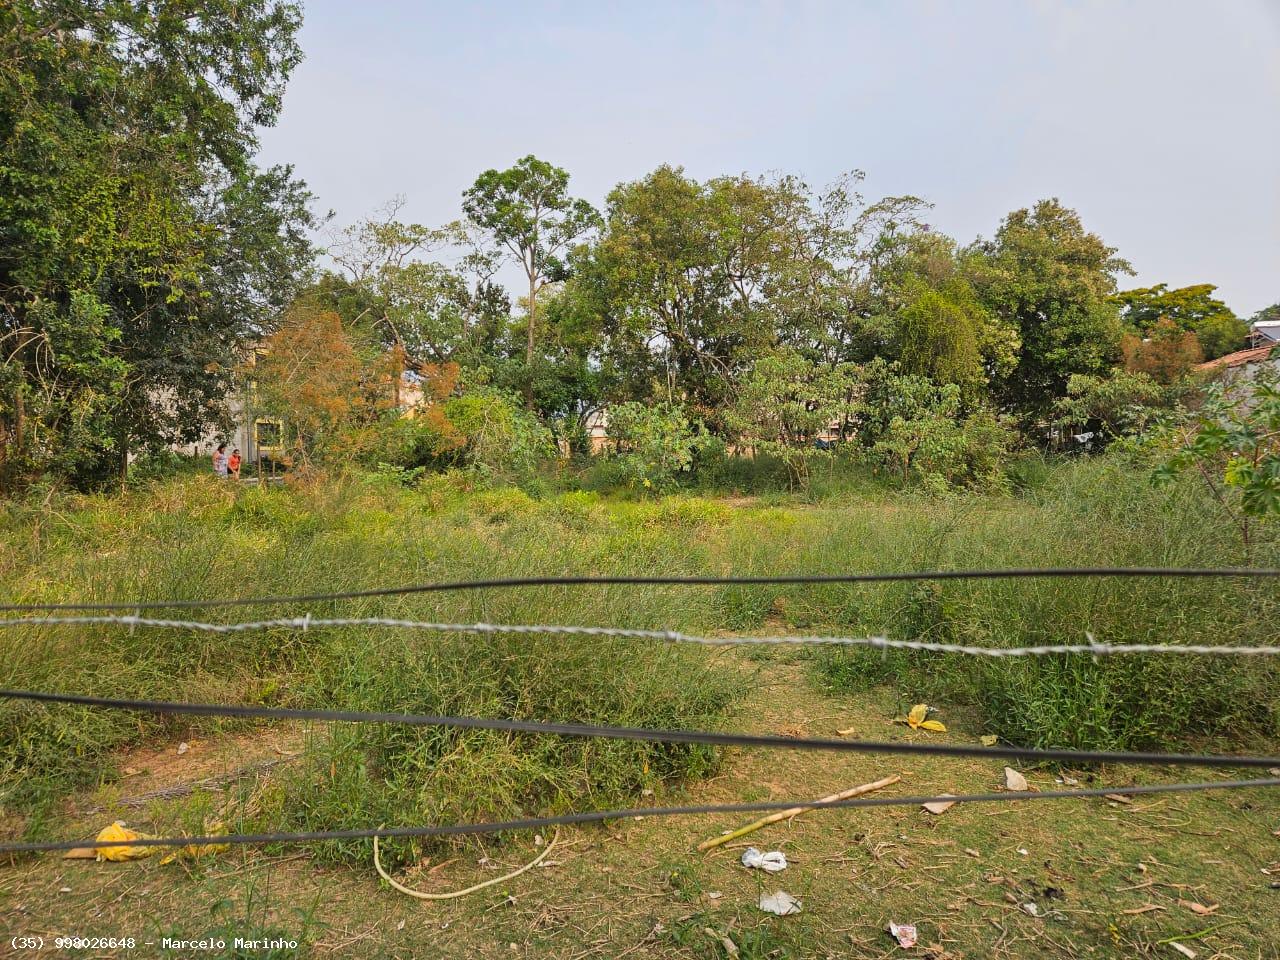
[[233, 463], [220, 461]]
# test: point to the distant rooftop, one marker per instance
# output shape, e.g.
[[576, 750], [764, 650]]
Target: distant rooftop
[[1240, 357]]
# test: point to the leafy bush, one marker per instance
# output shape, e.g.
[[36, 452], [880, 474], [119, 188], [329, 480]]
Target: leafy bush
[[788, 402], [1120, 404], [1233, 445], [656, 443], [930, 439], [501, 436]]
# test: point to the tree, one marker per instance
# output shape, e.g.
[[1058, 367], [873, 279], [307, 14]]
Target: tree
[[1193, 309], [1055, 283], [698, 279], [137, 240], [1119, 404], [1167, 354], [973, 346], [1233, 444], [433, 312], [526, 210], [319, 378], [655, 443], [788, 402], [937, 338]]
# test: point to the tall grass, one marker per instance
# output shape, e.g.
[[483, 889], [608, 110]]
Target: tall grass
[[193, 538]]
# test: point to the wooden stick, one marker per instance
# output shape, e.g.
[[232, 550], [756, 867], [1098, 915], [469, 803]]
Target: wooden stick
[[795, 811]]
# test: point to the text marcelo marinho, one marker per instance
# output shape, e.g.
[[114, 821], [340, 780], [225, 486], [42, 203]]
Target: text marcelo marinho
[[218, 943]]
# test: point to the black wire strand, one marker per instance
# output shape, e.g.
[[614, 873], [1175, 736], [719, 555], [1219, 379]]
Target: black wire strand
[[581, 581], [708, 737], [597, 816]]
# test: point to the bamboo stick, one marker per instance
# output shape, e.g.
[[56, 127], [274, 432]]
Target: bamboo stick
[[795, 811]]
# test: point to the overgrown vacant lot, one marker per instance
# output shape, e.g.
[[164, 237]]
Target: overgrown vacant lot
[[65, 770]]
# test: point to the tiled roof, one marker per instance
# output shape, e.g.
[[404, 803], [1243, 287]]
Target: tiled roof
[[1240, 357]]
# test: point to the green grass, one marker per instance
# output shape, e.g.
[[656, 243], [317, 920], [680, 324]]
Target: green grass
[[192, 538]]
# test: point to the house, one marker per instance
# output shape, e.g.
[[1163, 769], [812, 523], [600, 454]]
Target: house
[[262, 437], [1245, 364], [1264, 333]]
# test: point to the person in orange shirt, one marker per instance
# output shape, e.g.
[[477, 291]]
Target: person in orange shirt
[[233, 464]]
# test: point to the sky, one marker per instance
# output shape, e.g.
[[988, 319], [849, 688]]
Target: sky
[[1158, 120]]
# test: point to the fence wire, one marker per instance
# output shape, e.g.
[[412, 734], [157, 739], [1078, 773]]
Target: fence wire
[[598, 816], [307, 622], [1015, 573]]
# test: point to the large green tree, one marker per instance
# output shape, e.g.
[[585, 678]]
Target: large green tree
[[699, 278], [527, 211], [1055, 283], [139, 246]]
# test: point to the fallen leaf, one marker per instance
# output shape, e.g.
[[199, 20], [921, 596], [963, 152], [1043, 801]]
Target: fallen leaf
[[400, 925], [1182, 949], [1031, 909], [972, 852], [1145, 908], [904, 933], [1118, 798], [916, 719], [779, 902], [846, 731], [183, 748], [1199, 908], [988, 740], [1013, 780], [940, 806]]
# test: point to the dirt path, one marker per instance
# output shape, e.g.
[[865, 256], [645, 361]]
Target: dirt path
[[1104, 878]]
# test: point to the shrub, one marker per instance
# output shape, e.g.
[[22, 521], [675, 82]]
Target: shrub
[[1233, 445], [656, 443], [928, 438], [788, 403], [501, 436]]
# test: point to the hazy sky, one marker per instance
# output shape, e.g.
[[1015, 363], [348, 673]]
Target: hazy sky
[[1158, 120]]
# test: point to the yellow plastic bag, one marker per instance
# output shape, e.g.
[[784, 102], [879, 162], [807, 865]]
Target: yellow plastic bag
[[195, 851], [118, 831]]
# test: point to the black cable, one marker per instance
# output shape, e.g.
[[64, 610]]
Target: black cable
[[643, 733], [567, 819], [578, 581]]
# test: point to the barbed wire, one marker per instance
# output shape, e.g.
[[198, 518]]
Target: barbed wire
[[706, 737], [597, 816], [308, 622], [627, 580]]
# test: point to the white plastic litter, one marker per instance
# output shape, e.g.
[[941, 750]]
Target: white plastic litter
[[904, 933], [775, 861], [781, 903]]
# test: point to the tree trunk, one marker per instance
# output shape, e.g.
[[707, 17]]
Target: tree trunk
[[528, 355], [124, 458]]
